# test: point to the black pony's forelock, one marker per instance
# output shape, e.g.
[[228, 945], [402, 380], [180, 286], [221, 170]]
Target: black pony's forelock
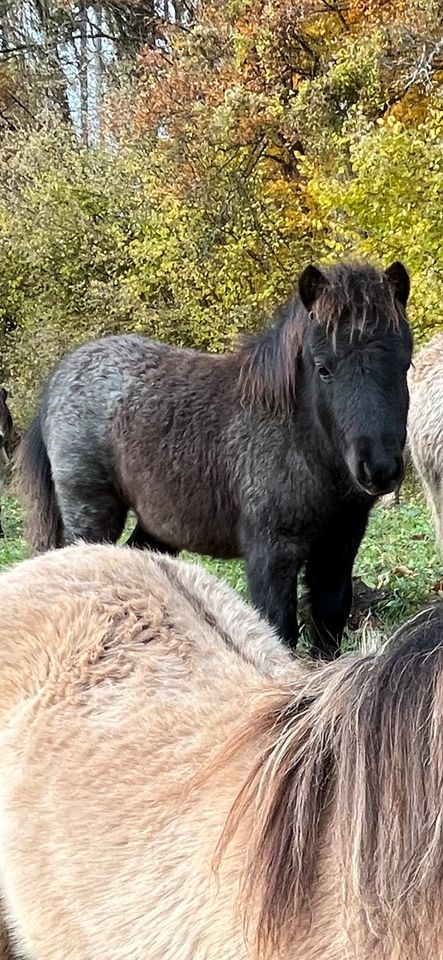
[[358, 294]]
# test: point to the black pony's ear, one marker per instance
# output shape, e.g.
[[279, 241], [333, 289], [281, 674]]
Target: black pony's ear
[[398, 277], [3, 394], [310, 285]]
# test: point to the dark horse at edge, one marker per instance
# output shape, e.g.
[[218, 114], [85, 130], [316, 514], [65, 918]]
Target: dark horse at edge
[[8, 439], [275, 452]]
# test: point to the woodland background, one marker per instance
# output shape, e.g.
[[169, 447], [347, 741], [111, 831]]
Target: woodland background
[[170, 167]]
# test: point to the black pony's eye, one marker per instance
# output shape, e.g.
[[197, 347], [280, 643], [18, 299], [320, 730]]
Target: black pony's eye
[[324, 373]]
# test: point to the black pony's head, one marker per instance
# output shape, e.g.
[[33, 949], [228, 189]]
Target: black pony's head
[[358, 346]]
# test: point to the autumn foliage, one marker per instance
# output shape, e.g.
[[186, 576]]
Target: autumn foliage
[[250, 138]]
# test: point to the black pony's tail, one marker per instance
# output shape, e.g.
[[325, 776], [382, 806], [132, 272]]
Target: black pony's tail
[[33, 479]]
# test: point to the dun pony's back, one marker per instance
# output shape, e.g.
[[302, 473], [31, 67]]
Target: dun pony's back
[[150, 720]]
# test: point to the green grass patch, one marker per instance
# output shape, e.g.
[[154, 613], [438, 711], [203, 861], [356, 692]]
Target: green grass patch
[[13, 548], [399, 554]]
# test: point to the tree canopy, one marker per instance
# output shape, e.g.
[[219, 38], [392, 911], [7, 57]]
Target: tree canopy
[[172, 168]]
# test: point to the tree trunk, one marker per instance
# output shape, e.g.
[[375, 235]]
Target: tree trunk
[[83, 73], [99, 70]]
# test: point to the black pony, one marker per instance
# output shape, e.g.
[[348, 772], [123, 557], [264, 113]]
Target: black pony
[[275, 452]]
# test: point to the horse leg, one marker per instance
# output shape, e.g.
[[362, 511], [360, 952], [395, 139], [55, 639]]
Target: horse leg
[[93, 513], [272, 570], [331, 601], [145, 541], [434, 494], [329, 582]]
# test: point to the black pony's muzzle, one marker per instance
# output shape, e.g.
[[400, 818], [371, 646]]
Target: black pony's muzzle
[[380, 476]]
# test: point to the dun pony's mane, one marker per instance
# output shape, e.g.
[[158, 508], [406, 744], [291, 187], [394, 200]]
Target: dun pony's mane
[[357, 293], [354, 770]]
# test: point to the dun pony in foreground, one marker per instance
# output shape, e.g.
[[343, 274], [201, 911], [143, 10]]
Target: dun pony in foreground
[[175, 787], [425, 426], [275, 452]]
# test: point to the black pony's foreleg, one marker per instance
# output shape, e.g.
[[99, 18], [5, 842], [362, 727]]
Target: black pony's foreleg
[[331, 601], [329, 582], [142, 540], [272, 579]]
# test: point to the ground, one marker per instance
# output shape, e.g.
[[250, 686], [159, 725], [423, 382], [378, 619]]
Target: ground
[[398, 556]]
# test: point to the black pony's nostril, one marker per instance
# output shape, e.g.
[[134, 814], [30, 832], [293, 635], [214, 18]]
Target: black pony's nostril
[[381, 477]]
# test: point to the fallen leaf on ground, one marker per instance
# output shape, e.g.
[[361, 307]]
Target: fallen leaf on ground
[[403, 572]]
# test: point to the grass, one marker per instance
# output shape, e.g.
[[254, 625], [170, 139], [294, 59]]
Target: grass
[[13, 547], [397, 554]]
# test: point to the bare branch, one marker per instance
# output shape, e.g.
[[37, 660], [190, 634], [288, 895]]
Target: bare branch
[[425, 66]]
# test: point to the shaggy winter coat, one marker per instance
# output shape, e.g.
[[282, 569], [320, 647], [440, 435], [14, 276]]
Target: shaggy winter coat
[[173, 786], [425, 426]]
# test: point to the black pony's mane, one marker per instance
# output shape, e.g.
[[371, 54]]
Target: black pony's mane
[[357, 294]]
